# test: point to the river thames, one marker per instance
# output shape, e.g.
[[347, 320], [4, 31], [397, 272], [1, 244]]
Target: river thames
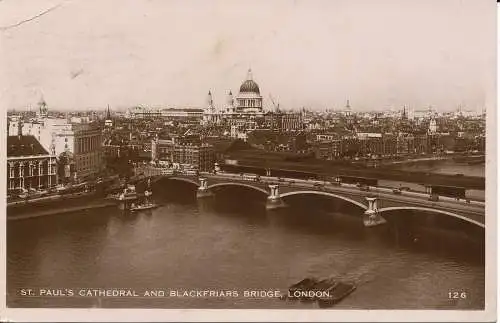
[[231, 244]]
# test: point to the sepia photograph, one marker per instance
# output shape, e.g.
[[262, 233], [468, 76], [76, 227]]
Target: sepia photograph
[[306, 160]]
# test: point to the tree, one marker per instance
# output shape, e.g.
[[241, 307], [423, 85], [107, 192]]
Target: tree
[[63, 162]]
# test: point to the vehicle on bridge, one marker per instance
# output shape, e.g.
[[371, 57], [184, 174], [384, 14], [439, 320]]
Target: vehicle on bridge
[[250, 177], [359, 180], [319, 185], [397, 191], [448, 191], [363, 187], [192, 173]]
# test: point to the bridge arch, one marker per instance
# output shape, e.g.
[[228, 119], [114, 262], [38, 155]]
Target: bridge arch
[[239, 184], [361, 205], [174, 178], [418, 208]]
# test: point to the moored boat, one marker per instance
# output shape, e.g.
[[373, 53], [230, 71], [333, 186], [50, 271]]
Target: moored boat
[[143, 207], [129, 193], [303, 285], [326, 285], [321, 289]]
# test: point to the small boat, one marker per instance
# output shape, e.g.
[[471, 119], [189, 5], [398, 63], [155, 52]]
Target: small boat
[[323, 286], [23, 195], [142, 207], [339, 292]]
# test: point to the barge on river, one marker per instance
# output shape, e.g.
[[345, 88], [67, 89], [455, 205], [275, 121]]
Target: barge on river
[[326, 292]]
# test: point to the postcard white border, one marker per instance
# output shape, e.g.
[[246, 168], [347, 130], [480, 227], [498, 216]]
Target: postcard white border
[[227, 315]]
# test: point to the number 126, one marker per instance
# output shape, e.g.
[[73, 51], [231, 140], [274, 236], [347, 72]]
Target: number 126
[[457, 295]]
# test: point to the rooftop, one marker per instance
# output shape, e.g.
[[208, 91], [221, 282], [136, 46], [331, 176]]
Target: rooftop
[[18, 146]]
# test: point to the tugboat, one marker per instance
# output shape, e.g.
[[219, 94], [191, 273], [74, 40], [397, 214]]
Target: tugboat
[[129, 193], [127, 197], [147, 204]]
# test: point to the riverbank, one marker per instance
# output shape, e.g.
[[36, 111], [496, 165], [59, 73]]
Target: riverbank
[[458, 158], [256, 162], [62, 210], [416, 160]]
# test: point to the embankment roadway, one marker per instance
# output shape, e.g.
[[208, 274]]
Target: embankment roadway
[[59, 210]]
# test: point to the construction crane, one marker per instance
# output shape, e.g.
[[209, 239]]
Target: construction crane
[[276, 106]]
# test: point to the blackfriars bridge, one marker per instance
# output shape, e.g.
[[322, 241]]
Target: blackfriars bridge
[[373, 201]]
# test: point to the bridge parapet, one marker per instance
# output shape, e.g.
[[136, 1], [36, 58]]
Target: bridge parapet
[[372, 200]]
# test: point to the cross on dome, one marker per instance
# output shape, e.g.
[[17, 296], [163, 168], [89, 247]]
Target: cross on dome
[[249, 75]]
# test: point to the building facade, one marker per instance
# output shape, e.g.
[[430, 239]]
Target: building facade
[[79, 143], [181, 113], [291, 122], [29, 165], [199, 157], [142, 113], [184, 152], [88, 154]]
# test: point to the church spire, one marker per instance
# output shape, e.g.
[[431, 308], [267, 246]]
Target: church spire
[[210, 101], [108, 114]]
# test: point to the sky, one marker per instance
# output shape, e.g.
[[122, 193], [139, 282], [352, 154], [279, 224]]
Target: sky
[[86, 54]]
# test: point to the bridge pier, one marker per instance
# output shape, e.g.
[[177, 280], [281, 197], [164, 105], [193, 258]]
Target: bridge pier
[[203, 190], [274, 200], [372, 216]]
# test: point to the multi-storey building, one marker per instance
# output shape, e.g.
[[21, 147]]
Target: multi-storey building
[[142, 113], [162, 149], [328, 149], [182, 113], [291, 121], [29, 165], [200, 157], [82, 143], [390, 145], [371, 146], [185, 151], [41, 129]]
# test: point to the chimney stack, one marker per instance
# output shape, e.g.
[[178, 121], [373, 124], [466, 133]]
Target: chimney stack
[[19, 128]]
